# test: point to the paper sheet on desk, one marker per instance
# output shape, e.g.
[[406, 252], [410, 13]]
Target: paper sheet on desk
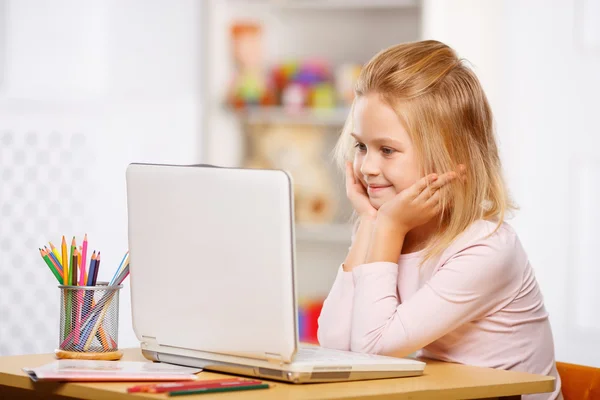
[[87, 370]]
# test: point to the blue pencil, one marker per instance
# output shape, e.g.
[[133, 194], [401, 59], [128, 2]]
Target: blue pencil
[[112, 281], [92, 270], [58, 264]]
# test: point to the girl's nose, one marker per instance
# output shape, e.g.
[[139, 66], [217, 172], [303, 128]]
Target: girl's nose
[[369, 166]]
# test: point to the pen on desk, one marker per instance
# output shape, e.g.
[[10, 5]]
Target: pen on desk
[[218, 389]]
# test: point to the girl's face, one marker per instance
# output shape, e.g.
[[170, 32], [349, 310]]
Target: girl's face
[[385, 160]]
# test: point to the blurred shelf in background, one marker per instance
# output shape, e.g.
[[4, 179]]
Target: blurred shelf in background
[[328, 4], [267, 58], [281, 115]]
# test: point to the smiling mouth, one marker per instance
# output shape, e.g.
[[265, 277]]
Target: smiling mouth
[[377, 188]]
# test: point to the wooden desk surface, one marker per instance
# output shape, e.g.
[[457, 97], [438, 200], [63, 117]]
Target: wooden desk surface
[[440, 381]]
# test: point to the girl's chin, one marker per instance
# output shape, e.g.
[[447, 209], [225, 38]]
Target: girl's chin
[[376, 203]]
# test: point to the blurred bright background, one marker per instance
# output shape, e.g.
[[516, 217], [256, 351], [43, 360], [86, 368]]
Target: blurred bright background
[[87, 87]]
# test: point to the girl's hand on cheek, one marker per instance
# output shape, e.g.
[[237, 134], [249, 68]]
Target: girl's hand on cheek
[[416, 205], [358, 195]]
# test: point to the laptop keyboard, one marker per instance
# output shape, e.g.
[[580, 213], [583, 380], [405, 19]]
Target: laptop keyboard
[[307, 354]]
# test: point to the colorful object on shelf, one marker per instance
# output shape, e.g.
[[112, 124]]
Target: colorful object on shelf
[[293, 84], [345, 81], [304, 84], [294, 97], [249, 86], [308, 316], [323, 96]]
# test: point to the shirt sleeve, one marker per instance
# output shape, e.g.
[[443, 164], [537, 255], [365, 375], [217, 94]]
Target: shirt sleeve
[[474, 282], [335, 319], [336, 315]]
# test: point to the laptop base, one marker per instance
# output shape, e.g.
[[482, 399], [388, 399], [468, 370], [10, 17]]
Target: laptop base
[[274, 374]]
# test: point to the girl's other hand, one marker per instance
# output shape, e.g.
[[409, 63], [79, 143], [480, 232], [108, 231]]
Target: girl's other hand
[[416, 205], [358, 195]]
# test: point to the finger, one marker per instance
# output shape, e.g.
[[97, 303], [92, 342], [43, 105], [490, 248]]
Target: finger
[[428, 192], [422, 184], [444, 179], [433, 200]]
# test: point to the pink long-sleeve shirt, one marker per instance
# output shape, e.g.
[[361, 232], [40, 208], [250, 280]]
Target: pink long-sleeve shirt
[[478, 303]]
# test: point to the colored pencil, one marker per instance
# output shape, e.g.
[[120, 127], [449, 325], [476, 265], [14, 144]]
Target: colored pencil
[[99, 320], [219, 389], [65, 262], [89, 295], [73, 265], [187, 385], [51, 266], [56, 254], [122, 276], [77, 307], [83, 261], [96, 269], [121, 266], [67, 282], [55, 260], [92, 269]]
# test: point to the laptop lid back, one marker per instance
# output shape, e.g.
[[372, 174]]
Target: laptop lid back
[[211, 259]]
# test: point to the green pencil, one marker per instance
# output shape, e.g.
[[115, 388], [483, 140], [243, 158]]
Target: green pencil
[[51, 266], [218, 389]]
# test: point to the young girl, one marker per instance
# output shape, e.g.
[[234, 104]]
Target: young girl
[[432, 264]]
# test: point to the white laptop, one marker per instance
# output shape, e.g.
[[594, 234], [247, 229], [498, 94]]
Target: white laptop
[[212, 277]]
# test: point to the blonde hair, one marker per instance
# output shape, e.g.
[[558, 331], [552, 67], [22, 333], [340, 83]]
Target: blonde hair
[[446, 113]]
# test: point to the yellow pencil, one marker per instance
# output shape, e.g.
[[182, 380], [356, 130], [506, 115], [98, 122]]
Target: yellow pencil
[[65, 261], [56, 253]]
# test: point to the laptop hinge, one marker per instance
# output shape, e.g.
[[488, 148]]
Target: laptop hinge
[[148, 341], [274, 358]]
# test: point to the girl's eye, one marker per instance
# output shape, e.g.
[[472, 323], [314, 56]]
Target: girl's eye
[[387, 151], [360, 146]]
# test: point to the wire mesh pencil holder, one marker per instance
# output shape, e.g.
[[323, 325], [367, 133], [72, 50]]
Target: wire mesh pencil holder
[[89, 322]]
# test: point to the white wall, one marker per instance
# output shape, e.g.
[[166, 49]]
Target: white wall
[[539, 63], [105, 83]]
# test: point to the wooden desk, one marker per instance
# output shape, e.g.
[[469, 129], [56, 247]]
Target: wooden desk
[[440, 381]]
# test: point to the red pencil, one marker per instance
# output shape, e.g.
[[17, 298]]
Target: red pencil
[[173, 386]]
